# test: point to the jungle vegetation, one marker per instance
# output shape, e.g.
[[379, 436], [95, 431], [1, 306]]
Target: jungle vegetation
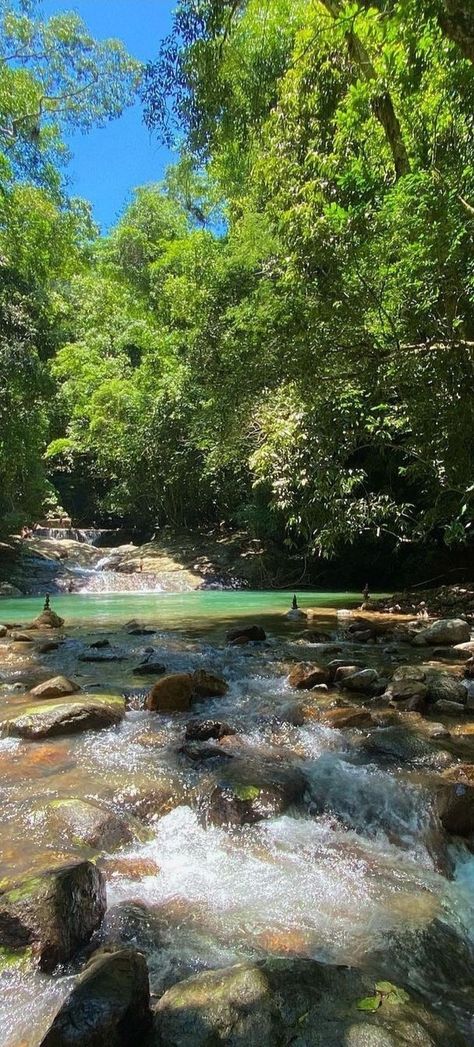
[[277, 337]]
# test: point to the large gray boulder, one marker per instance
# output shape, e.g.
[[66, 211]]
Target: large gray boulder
[[448, 631], [108, 1007], [54, 912], [304, 1003]]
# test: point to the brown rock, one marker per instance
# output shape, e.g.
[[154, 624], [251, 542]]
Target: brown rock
[[304, 676], [208, 685], [172, 694], [346, 717], [455, 805], [56, 687], [49, 619]]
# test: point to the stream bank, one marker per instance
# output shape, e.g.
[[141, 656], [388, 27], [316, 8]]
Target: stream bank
[[290, 811]]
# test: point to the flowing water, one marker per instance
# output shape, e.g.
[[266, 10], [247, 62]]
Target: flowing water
[[356, 872]]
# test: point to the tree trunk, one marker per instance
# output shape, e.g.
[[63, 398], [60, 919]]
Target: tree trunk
[[457, 21], [382, 105]]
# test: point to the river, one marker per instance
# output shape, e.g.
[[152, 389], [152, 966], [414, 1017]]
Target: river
[[350, 873]]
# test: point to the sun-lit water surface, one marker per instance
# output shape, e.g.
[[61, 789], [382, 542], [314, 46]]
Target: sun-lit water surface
[[344, 876]]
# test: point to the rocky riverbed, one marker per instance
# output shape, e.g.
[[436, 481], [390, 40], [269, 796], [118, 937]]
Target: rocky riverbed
[[248, 831]]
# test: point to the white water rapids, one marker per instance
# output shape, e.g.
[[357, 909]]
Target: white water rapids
[[350, 875]]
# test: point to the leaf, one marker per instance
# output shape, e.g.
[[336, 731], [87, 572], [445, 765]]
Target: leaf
[[385, 988], [399, 996], [369, 1003]]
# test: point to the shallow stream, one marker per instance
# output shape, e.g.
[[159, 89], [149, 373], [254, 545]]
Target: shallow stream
[[350, 874]]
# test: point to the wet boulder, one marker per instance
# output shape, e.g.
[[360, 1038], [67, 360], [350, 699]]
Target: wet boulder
[[56, 687], [401, 746], [445, 632], [56, 717], [444, 707], [279, 1002], [55, 912], [205, 730], [82, 823], [172, 694], [362, 681], [21, 637], [347, 716], [109, 1004], [243, 634], [404, 688], [3, 631], [47, 646], [454, 803], [244, 795], [199, 752], [208, 685], [304, 676], [229, 1006], [444, 686]]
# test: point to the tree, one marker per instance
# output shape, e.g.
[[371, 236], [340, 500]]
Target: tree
[[54, 76]]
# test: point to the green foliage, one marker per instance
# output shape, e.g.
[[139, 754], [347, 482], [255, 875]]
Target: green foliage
[[53, 75], [281, 335]]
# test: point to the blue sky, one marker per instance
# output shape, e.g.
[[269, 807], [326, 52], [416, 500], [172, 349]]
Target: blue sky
[[109, 162]]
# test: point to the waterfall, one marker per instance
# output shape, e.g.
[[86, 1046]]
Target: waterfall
[[89, 535]]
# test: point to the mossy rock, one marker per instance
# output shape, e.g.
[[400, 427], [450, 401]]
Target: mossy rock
[[84, 824], [56, 717], [54, 912]]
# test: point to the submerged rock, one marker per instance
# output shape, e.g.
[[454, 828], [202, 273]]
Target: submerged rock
[[204, 730], [246, 634], [56, 717], [56, 912], [56, 687], [229, 1006], [151, 667], [402, 746], [81, 822], [109, 1004], [173, 693]]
